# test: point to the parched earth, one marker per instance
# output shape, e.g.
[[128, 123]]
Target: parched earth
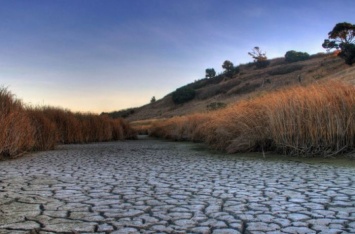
[[153, 186]]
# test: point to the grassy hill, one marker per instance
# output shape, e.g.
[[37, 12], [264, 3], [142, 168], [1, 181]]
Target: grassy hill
[[250, 81]]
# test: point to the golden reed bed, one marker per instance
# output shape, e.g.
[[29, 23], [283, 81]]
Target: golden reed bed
[[316, 120], [25, 129]]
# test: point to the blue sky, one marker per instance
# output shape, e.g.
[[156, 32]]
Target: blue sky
[[105, 55]]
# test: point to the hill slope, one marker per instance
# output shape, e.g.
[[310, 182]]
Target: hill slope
[[250, 81]]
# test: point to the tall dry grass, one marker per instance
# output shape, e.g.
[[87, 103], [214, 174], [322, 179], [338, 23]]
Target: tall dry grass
[[25, 129], [318, 119], [16, 131], [45, 134], [180, 128], [143, 126]]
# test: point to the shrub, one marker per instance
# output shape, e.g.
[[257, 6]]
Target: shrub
[[230, 73], [183, 94], [294, 56]]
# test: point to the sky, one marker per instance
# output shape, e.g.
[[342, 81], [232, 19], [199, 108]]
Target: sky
[[106, 55]]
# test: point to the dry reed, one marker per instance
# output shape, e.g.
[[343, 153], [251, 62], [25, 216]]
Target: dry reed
[[143, 126], [318, 119], [25, 129], [16, 132]]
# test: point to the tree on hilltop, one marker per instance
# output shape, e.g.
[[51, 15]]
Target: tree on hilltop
[[153, 100], [227, 66], [259, 57], [257, 54], [210, 73], [294, 56], [342, 38]]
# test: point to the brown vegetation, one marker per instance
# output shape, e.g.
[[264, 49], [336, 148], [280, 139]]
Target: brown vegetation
[[25, 129], [143, 126], [250, 81], [317, 119], [15, 126]]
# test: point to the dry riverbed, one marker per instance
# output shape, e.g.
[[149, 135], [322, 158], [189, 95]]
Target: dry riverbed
[[154, 186]]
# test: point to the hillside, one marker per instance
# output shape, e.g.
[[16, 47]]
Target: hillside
[[250, 81]]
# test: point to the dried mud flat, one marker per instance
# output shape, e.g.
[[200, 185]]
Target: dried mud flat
[[152, 186]]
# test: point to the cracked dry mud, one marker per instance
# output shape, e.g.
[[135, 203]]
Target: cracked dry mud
[[151, 186]]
